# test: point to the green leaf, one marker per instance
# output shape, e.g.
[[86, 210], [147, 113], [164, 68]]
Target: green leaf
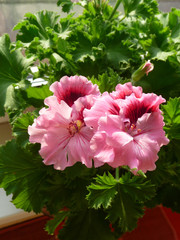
[[172, 118], [69, 188], [123, 198], [36, 95], [128, 204], [20, 127], [37, 25], [12, 68], [22, 174], [66, 5], [14, 100], [83, 49], [39, 93], [54, 223], [102, 192], [116, 50], [172, 111], [144, 8], [157, 53], [107, 81], [86, 224]]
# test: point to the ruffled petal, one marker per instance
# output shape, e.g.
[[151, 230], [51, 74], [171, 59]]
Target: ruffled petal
[[101, 151], [69, 89], [125, 90]]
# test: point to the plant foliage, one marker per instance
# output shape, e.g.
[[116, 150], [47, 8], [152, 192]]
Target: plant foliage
[[107, 47]]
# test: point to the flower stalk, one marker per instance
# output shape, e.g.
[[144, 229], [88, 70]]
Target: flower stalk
[[117, 173], [115, 8]]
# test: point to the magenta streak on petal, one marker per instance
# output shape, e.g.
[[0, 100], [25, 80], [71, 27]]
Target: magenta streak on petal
[[114, 109], [136, 110]]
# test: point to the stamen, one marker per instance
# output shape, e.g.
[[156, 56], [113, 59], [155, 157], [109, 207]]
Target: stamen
[[75, 126], [139, 130], [133, 126]]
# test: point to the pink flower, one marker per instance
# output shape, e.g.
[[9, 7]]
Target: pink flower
[[64, 140], [109, 103], [124, 90], [133, 137], [69, 89], [60, 129]]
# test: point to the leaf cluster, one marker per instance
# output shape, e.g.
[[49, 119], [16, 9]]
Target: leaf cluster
[[122, 198]]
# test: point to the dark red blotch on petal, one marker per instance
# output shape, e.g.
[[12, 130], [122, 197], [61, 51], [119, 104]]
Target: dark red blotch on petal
[[136, 110], [71, 96]]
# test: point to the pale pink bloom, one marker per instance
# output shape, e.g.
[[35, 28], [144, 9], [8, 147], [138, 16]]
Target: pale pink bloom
[[69, 89], [124, 90], [133, 137], [109, 103], [60, 128], [64, 139]]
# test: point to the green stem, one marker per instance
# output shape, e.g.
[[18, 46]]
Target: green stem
[[115, 8], [117, 173]]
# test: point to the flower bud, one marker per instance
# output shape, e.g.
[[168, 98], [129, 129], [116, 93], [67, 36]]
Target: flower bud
[[140, 72]]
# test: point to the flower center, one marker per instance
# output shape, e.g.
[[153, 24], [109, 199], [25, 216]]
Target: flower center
[[132, 129], [75, 126]]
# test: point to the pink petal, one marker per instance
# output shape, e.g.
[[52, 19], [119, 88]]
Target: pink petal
[[69, 89], [146, 151], [102, 152], [102, 106], [79, 147], [111, 124], [53, 148], [152, 124], [124, 90]]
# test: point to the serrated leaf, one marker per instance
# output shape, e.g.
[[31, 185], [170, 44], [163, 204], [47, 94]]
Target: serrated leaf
[[125, 211], [122, 198], [83, 49], [66, 5], [157, 53], [23, 175], [172, 110], [12, 67], [116, 51], [144, 8], [37, 25], [128, 203], [172, 118], [20, 127], [107, 81], [102, 192]]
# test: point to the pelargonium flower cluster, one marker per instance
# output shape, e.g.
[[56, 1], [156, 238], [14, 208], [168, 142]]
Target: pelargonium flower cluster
[[124, 127]]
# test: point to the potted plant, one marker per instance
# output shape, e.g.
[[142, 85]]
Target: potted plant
[[95, 114]]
